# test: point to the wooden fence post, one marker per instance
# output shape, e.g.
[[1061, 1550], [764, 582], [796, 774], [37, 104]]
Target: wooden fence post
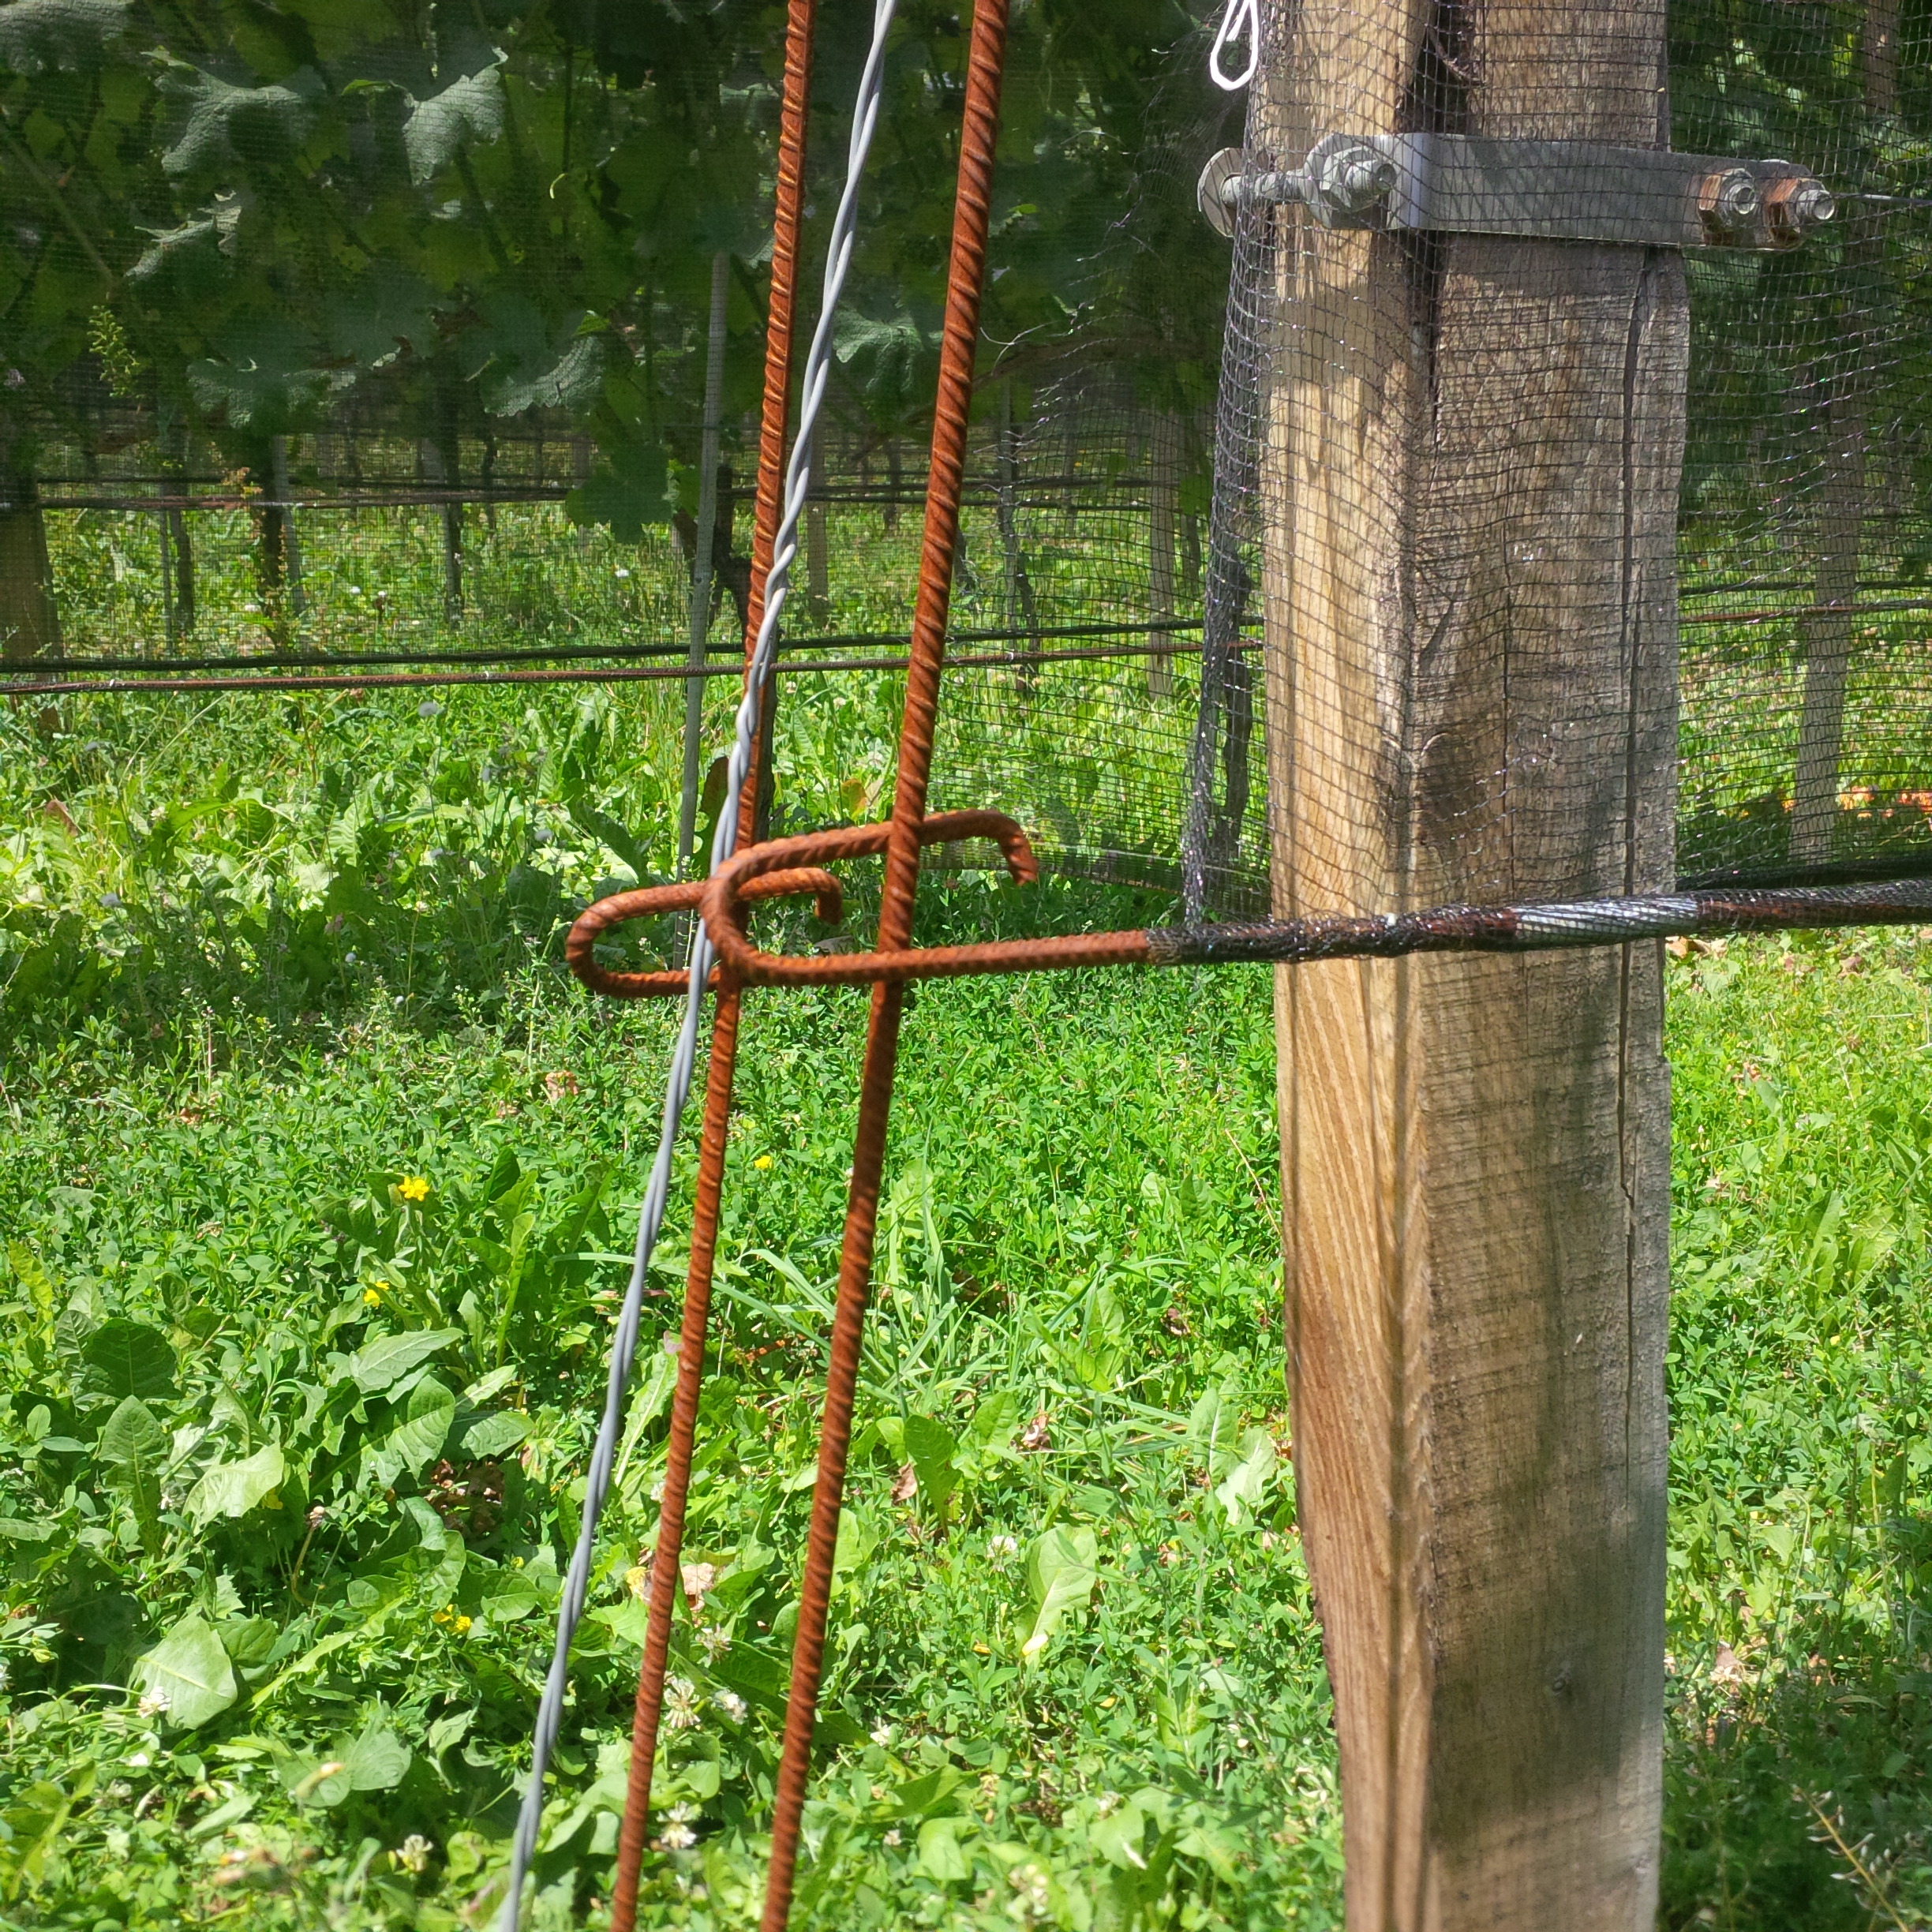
[[1469, 464]]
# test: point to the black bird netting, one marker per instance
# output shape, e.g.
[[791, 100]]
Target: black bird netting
[[1521, 515], [304, 383]]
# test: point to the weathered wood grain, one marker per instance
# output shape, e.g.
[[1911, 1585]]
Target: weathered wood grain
[[1472, 450]]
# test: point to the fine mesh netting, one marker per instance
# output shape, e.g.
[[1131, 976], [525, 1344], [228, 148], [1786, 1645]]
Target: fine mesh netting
[[351, 404], [1528, 515], [1371, 553]]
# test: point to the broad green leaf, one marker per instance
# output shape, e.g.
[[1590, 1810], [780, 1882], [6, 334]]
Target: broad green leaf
[[135, 1446], [223, 1816], [856, 1541], [35, 1279], [132, 1436], [1209, 1422], [470, 108], [1246, 1483], [627, 490], [418, 1436], [234, 1488], [491, 1435], [753, 1673], [16, 1530], [995, 1419], [1062, 1567], [574, 381], [188, 1672], [128, 1357], [248, 1640], [921, 1797], [1121, 1837], [377, 1365], [34, 1819], [447, 1730], [940, 1856], [377, 1760], [1220, 1849], [930, 1446], [271, 122]]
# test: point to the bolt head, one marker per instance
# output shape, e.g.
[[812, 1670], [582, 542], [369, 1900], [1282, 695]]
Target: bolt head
[[1813, 202], [1732, 199]]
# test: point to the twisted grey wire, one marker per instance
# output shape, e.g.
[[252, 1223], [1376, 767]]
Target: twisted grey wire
[[703, 955]]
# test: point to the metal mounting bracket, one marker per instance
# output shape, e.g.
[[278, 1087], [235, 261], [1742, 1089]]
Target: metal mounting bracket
[[1560, 191]]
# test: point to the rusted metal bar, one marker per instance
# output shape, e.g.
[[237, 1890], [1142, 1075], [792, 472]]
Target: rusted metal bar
[[958, 342], [666, 1568], [1439, 929], [781, 309], [649, 901]]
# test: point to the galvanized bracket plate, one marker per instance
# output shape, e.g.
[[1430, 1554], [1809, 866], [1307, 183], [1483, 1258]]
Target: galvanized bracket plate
[[1558, 191]]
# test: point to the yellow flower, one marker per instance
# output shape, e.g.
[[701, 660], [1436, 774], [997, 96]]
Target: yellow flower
[[414, 1188], [461, 1625], [371, 1297], [763, 1161]]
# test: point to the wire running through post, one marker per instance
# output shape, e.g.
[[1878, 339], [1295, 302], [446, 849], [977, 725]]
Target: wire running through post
[[683, 1059]]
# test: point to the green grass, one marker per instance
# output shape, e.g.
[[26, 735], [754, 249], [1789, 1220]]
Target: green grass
[[272, 962]]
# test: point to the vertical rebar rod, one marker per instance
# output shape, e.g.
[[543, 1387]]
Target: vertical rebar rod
[[701, 544], [667, 1551], [965, 275]]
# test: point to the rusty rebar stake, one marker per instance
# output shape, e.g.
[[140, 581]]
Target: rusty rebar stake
[[781, 309], [959, 343]]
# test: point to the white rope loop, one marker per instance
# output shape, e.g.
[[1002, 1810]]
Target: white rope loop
[[703, 955], [1241, 20]]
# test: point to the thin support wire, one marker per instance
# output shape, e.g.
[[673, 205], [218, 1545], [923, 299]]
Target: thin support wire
[[683, 1059]]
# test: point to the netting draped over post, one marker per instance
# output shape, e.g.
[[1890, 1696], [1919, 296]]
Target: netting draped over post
[[1804, 736]]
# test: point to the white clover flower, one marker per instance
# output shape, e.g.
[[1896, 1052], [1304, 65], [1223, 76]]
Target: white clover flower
[[713, 1641], [891, 1838], [680, 1703], [412, 1854], [881, 1735], [677, 1837], [733, 1705], [154, 1704], [1107, 1803], [1002, 1549]]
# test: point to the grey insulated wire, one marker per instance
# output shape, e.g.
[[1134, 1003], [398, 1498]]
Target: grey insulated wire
[[683, 1060]]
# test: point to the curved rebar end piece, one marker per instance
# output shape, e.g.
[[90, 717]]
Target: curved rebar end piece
[[649, 901], [740, 878]]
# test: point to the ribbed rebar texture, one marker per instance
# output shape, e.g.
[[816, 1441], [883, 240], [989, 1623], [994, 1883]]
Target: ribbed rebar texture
[[650, 1218]]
